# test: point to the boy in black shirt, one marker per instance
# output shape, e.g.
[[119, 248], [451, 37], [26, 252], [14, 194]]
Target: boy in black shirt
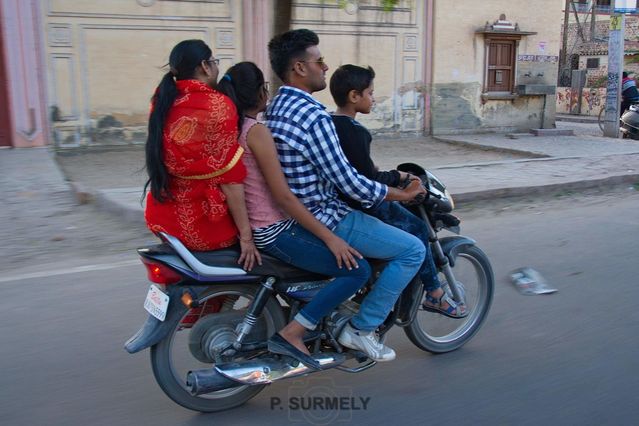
[[352, 90]]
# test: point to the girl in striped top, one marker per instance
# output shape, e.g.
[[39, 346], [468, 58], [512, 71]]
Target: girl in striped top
[[275, 211]]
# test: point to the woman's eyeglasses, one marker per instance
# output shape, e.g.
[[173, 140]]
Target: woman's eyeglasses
[[213, 61]]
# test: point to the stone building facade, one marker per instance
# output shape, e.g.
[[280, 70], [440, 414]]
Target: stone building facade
[[92, 65]]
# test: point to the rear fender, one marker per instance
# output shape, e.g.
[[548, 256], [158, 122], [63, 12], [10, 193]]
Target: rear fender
[[451, 246], [153, 330]]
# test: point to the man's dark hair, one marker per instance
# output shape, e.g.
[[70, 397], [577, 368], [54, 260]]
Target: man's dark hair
[[624, 74], [289, 46], [349, 77]]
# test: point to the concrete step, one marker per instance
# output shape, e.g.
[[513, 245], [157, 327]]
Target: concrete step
[[519, 135], [552, 132]]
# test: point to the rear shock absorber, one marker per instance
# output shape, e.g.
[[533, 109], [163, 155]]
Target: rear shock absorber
[[254, 311]]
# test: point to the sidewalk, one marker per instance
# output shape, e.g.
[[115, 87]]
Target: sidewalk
[[563, 163], [474, 167]]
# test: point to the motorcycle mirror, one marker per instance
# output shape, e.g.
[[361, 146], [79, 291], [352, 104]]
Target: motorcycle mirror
[[411, 168]]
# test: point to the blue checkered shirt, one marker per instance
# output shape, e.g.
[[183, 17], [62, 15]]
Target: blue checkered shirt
[[312, 158]]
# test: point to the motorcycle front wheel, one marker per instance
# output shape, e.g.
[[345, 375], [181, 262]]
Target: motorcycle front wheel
[[177, 354], [436, 333]]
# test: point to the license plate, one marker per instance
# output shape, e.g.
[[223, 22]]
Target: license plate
[[156, 302]]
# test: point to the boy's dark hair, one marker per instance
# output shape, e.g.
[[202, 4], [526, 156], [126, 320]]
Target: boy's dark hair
[[285, 47], [349, 77], [624, 74], [243, 83]]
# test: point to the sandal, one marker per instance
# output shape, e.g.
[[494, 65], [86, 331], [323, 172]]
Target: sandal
[[435, 305], [279, 345]]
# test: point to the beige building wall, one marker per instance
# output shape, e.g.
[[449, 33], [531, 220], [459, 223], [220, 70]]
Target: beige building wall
[[459, 65], [105, 58], [390, 42]]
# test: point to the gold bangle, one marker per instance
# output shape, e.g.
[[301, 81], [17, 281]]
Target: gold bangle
[[245, 240]]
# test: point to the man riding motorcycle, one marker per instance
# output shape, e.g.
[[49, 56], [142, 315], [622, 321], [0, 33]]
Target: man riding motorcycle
[[629, 92]]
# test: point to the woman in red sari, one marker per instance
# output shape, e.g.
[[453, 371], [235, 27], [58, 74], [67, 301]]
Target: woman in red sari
[[193, 158]]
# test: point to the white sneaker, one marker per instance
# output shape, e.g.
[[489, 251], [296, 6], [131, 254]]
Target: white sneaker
[[367, 343]]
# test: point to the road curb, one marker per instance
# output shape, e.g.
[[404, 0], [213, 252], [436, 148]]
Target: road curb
[[482, 147], [82, 194], [104, 200], [492, 194], [124, 202], [134, 215]]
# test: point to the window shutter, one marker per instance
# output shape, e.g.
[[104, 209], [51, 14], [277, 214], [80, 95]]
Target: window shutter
[[501, 65]]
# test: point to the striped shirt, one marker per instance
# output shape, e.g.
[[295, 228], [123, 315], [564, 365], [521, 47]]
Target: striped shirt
[[312, 159], [264, 236]]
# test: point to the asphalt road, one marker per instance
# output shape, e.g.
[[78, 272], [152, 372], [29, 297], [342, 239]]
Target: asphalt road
[[566, 358]]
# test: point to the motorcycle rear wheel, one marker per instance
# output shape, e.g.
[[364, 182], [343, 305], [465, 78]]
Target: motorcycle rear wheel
[[437, 333], [171, 358]]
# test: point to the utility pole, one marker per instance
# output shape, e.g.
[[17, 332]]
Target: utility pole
[[593, 20], [564, 43], [615, 68]]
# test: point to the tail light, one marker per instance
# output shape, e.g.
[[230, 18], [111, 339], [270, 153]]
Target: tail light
[[160, 273], [211, 306]]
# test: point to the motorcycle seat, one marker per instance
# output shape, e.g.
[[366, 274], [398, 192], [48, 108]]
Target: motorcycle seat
[[227, 258], [270, 265]]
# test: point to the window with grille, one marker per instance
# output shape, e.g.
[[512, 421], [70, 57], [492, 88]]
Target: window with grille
[[592, 63]]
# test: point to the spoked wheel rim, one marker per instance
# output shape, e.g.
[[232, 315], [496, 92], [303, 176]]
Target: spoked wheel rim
[[181, 360], [441, 329]]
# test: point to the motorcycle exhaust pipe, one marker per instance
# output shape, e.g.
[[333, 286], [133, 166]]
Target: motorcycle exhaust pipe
[[254, 372], [210, 380]]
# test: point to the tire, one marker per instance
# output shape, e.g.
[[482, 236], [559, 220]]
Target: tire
[[600, 118], [437, 333], [171, 377]]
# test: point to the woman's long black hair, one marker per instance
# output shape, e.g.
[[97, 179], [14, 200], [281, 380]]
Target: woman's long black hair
[[185, 57], [243, 83]]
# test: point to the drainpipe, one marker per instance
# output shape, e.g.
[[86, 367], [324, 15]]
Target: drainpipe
[[429, 34], [543, 112]]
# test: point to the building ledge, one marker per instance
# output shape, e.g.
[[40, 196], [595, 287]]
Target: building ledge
[[498, 96], [535, 89]]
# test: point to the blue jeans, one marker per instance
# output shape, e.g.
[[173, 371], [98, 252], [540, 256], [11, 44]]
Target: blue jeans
[[299, 247], [395, 214], [404, 253]]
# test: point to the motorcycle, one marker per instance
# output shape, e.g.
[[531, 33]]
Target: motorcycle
[[630, 123], [209, 321]]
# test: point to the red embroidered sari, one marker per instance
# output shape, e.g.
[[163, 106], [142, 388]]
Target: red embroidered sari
[[200, 151]]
